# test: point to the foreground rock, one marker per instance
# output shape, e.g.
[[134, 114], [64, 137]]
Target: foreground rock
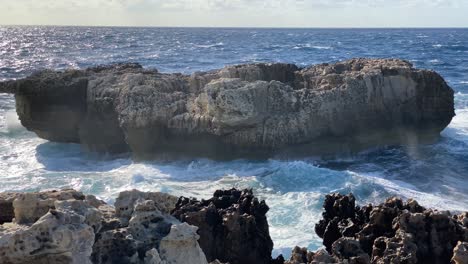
[[257, 109], [232, 225], [392, 232], [68, 227]]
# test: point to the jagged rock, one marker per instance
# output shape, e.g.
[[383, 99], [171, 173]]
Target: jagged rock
[[350, 249], [256, 109], [93, 217], [300, 255], [114, 246], [57, 237], [232, 226], [460, 253], [181, 246], [397, 249], [125, 202], [322, 256], [148, 225], [29, 207], [392, 232], [73, 229]]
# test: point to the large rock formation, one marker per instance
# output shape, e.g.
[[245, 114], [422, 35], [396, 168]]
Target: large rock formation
[[239, 110]]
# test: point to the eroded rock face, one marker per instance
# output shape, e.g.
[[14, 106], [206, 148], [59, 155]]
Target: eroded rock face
[[258, 109], [392, 232], [232, 226], [69, 227], [57, 237]]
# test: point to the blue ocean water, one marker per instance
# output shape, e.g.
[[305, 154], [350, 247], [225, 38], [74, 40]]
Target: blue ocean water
[[436, 175]]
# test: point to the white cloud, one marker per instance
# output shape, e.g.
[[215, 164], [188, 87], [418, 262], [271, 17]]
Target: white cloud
[[310, 13]]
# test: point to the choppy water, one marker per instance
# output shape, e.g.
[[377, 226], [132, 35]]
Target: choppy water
[[436, 175]]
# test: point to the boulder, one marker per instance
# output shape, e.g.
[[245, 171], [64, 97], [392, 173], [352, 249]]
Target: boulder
[[181, 246], [240, 111], [56, 237], [29, 207]]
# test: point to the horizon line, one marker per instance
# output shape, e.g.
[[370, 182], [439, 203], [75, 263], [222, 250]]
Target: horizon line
[[227, 27]]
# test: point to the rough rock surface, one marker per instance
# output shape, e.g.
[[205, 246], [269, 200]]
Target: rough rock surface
[[256, 109], [392, 232], [232, 226], [69, 227]]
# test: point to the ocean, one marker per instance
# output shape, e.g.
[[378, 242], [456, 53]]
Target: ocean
[[436, 174]]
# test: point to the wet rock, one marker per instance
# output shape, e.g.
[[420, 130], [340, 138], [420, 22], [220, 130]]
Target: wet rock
[[238, 111], [232, 226]]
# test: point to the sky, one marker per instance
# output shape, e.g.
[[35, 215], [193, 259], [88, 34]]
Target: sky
[[237, 13]]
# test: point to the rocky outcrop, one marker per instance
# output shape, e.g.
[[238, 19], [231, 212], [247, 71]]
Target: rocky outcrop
[[392, 232], [256, 109], [232, 226], [69, 227]]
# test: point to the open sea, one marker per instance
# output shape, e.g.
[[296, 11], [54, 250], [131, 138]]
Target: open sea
[[436, 175]]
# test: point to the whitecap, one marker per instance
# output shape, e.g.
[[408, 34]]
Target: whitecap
[[206, 46]]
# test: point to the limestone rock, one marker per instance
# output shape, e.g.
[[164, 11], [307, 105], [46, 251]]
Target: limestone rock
[[57, 237], [93, 217], [125, 202], [255, 109], [181, 246], [29, 207]]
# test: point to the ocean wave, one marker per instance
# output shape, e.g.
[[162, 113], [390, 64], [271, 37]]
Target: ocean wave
[[207, 46], [309, 46]]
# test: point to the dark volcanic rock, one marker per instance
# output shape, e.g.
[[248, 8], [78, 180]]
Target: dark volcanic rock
[[392, 232], [255, 109], [232, 226]]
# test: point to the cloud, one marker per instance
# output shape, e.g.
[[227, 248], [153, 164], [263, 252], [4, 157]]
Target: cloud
[[322, 13]]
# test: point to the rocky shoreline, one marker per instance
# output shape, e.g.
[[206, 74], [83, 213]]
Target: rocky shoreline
[[252, 110], [67, 226]]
